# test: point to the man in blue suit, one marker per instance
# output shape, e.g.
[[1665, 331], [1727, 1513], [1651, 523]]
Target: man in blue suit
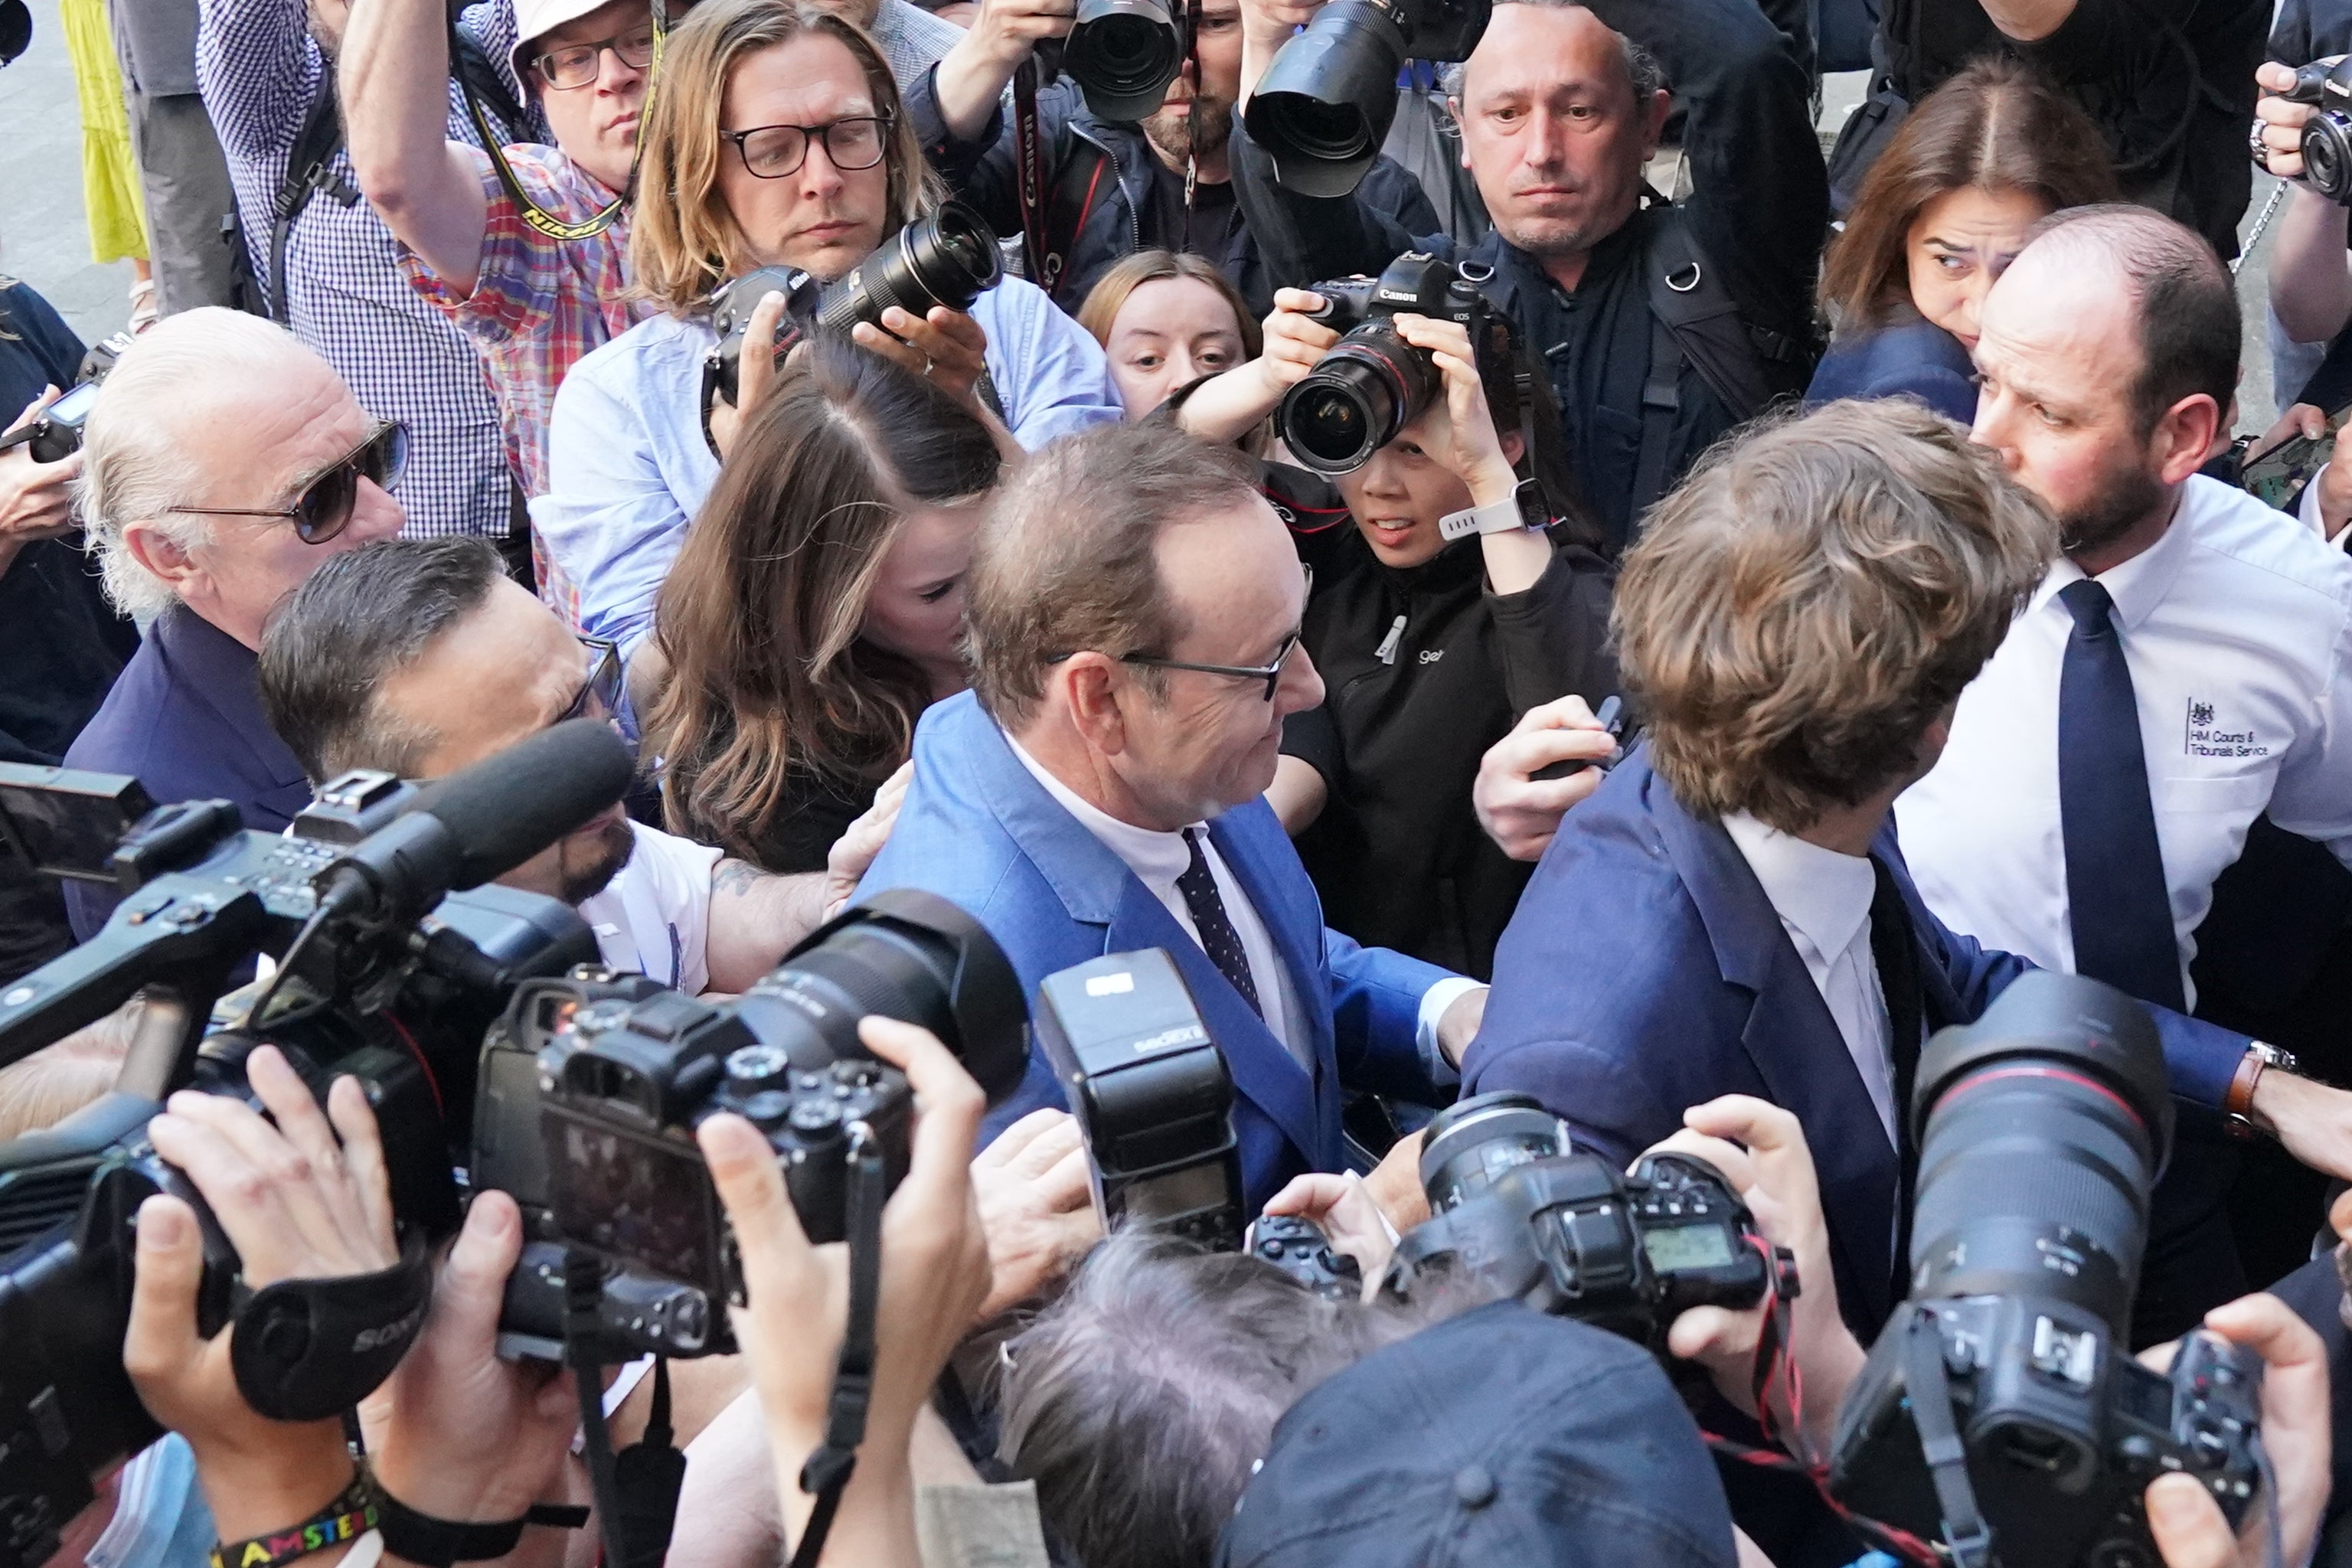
[[1729, 914], [1133, 611]]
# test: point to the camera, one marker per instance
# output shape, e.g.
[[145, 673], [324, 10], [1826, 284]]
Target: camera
[[592, 1086], [1515, 1210], [2041, 1127], [2327, 139], [950, 258], [1326, 102], [1124, 53], [1372, 384], [1299, 1248], [54, 434], [1151, 1093]]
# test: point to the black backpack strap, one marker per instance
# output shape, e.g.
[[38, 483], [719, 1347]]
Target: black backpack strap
[[310, 169], [488, 84], [1662, 405], [1746, 366]]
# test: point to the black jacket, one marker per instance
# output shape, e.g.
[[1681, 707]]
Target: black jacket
[[1397, 854], [1754, 224], [1120, 219]]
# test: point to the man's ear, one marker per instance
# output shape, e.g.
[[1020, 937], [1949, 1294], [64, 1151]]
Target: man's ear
[[1090, 684], [2183, 440], [163, 556], [1654, 123]]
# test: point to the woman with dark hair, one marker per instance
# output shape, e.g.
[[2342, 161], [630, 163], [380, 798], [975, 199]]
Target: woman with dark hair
[[815, 609], [1984, 158], [1166, 320], [1456, 587]]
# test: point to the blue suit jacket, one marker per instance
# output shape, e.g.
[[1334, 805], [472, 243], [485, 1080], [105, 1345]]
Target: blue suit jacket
[[979, 830], [1916, 359], [1645, 972]]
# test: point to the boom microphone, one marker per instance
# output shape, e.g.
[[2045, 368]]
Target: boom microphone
[[483, 821]]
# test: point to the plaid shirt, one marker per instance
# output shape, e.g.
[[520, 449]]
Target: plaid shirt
[[259, 69]]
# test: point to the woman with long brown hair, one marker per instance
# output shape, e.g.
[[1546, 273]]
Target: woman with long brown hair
[[817, 607], [1984, 158]]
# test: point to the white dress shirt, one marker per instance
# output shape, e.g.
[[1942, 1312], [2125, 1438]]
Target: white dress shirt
[[654, 916], [1158, 858], [1823, 898], [2237, 625]]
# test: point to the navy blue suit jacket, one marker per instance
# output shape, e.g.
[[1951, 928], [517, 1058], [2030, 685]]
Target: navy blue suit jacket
[[1916, 359], [1646, 972], [185, 719], [979, 830]]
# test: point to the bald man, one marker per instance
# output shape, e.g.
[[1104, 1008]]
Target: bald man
[[2180, 670]]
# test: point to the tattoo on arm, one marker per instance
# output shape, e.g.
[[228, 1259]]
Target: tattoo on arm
[[736, 878]]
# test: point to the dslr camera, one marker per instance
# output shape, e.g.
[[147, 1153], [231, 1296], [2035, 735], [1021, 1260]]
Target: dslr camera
[[1372, 384], [592, 1084], [2327, 139], [1513, 1208], [1124, 53], [54, 434], [950, 258], [1326, 102], [2041, 1130]]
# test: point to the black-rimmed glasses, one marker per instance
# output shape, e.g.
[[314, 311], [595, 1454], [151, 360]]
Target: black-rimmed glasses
[[323, 508], [775, 152], [1269, 673], [577, 64]]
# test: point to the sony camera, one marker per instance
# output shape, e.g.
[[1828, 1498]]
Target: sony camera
[[592, 1086], [2041, 1129], [1513, 1208], [56, 433], [1150, 1091], [1123, 54], [2327, 138], [392, 958], [1372, 384], [950, 258], [1326, 103]]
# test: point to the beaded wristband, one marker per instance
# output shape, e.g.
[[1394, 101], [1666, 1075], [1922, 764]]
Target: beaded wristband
[[353, 1514]]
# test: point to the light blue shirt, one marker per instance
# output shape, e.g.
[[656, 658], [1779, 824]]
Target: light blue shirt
[[628, 467]]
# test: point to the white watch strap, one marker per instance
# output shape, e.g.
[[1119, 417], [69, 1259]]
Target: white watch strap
[[1495, 517]]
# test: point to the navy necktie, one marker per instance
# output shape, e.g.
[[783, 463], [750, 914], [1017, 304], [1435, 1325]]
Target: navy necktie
[[2119, 903], [1219, 940]]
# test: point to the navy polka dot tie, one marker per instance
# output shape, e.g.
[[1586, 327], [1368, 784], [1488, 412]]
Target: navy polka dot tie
[[1218, 938]]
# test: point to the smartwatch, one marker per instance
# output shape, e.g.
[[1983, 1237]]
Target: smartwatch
[[1523, 508]]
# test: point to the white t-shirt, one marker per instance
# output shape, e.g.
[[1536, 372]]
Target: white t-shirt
[[654, 916]]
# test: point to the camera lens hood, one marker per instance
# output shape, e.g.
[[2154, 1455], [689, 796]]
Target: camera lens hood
[[1326, 103]]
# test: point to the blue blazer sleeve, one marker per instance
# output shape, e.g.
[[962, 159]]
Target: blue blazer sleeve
[[1376, 1018]]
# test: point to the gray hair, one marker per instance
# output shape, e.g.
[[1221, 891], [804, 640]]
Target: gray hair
[[1141, 1401], [1642, 71], [359, 619], [134, 466]]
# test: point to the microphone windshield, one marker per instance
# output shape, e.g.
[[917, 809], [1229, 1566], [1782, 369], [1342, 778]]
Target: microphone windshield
[[507, 807]]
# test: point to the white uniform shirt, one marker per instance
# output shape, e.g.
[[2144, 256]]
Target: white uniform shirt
[[654, 918], [1823, 898], [2237, 625]]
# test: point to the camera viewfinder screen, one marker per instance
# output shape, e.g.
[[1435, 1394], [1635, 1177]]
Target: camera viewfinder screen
[[634, 1197], [1688, 1247]]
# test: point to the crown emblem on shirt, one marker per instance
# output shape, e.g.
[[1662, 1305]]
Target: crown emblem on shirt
[[2200, 713]]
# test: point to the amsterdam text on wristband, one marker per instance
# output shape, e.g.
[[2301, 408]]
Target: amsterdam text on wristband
[[352, 1515]]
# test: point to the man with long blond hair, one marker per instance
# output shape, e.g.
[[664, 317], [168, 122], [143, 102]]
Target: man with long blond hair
[[1729, 912]]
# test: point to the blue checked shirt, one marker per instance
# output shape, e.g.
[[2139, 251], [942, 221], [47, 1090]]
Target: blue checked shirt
[[258, 68]]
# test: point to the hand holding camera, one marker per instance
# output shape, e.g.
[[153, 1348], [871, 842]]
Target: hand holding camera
[[36, 496], [944, 347], [1521, 812], [1036, 1206], [306, 1199], [1343, 1210], [1005, 32], [2301, 130], [1459, 434], [934, 1275]]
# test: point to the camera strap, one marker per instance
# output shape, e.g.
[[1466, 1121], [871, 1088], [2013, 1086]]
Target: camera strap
[[1929, 1387], [637, 1492], [304, 1350], [828, 1471], [1029, 173]]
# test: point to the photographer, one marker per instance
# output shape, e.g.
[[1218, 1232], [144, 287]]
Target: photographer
[[222, 463], [629, 459], [1561, 109], [1431, 648], [421, 656], [1163, 181]]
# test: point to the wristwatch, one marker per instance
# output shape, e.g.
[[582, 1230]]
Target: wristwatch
[[1523, 508], [2238, 1105]]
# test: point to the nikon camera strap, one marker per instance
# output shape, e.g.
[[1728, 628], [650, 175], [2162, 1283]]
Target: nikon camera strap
[[538, 216]]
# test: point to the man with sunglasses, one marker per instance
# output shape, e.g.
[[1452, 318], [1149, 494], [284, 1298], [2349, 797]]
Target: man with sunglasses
[[222, 464], [1133, 609]]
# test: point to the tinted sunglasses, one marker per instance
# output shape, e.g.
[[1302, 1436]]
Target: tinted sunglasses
[[323, 509]]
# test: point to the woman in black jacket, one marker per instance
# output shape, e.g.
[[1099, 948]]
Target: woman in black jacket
[[1430, 647]]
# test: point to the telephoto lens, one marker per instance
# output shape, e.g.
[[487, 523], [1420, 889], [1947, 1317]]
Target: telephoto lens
[[1369, 386], [1325, 105], [1123, 54], [948, 258]]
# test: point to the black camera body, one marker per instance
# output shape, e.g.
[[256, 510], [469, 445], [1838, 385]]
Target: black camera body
[[1571, 1236], [1300, 1249], [1372, 384], [2327, 138], [1326, 103], [1123, 54], [950, 258], [54, 434], [1152, 1092], [592, 1086], [2063, 1429]]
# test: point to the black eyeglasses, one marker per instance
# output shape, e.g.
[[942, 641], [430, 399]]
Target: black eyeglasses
[[576, 65], [775, 152], [323, 508], [600, 697]]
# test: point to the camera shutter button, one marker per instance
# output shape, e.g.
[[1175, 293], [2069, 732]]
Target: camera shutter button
[[816, 1116]]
